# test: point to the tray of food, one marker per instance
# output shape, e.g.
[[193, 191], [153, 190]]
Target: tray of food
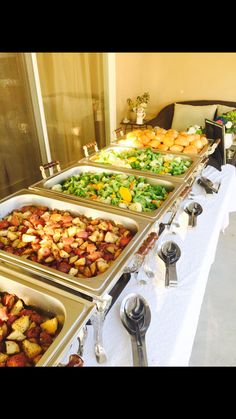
[[167, 140], [147, 161], [37, 321], [79, 246], [149, 196]]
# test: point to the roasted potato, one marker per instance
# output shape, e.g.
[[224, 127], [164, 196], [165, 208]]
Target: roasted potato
[[31, 349], [21, 324], [12, 347], [17, 307], [50, 326], [16, 335]]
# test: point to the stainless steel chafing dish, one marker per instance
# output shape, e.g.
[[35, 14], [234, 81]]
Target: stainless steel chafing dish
[[71, 310], [119, 141], [172, 185], [94, 287], [184, 177]]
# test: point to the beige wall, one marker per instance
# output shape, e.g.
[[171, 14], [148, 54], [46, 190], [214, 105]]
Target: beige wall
[[171, 77]]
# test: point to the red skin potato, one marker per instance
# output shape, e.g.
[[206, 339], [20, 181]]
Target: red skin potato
[[18, 360], [45, 338], [11, 319], [34, 332], [8, 300], [4, 224], [35, 317]]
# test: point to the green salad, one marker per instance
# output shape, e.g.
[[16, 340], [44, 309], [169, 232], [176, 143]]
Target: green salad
[[145, 160], [122, 190]]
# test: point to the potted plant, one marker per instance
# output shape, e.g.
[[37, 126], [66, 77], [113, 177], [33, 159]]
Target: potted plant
[[139, 102], [229, 121]]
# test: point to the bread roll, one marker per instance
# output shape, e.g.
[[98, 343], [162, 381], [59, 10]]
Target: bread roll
[[197, 136], [190, 150], [204, 140], [160, 131], [159, 137], [170, 135], [144, 139], [168, 141], [163, 147], [154, 143], [184, 133], [192, 137], [151, 135], [181, 140], [172, 132], [198, 144], [177, 148], [131, 142]]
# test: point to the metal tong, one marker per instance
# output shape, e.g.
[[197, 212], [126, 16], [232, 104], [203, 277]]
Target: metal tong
[[175, 208], [208, 185], [97, 321], [150, 241]]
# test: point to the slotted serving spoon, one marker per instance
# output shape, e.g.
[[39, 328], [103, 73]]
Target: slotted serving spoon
[[136, 316]]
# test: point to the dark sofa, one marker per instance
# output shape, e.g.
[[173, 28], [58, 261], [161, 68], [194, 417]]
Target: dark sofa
[[165, 116]]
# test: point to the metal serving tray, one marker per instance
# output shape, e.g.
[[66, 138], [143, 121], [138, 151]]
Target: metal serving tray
[[202, 153], [96, 286], [172, 185], [184, 177], [71, 310]]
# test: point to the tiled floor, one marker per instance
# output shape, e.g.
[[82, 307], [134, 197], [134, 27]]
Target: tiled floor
[[215, 340]]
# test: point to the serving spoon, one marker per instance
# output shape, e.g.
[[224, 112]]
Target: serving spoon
[[193, 210], [136, 316]]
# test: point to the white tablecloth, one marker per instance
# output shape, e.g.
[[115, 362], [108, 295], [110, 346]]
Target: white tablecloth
[[175, 310]]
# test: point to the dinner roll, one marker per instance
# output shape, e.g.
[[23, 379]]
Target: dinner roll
[[170, 135], [177, 148], [172, 132], [190, 150], [197, 136], [163, 147], [131, 142], [159, 137], [144, 139], [150, 134], [204, 140], [154, 143], [192, 137], [168, 141], [160, 130], [197, 143], [181, 140]]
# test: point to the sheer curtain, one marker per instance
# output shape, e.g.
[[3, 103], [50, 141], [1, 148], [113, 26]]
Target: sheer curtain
[[20, 155], [72, 91]]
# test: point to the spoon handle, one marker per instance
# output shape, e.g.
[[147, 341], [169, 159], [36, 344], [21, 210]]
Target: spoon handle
[[194, 221], [139, 350], [171, 275], [191, 219]]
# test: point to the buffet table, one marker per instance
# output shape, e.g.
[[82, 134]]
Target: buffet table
[[175, 310]]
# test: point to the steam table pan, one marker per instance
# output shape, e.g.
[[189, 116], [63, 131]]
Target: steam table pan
[[71, 310], [172, 185], [94, 287]]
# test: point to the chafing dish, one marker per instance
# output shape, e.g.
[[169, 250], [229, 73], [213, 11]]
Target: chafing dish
[[196, 159], [204, 151], [94, 287], [172, 185], [71, 310]]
